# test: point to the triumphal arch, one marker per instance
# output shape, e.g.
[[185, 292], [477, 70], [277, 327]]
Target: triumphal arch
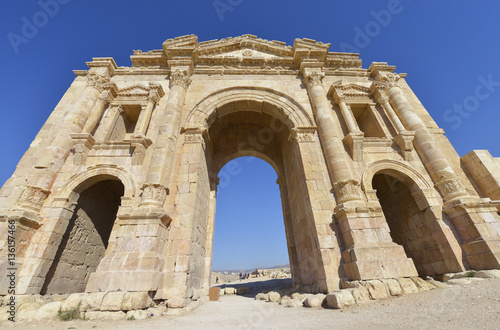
[[118, 190]]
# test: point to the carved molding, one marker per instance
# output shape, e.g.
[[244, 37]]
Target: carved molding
[[180, 78], [97, 81], [341, 92], [302, 134]]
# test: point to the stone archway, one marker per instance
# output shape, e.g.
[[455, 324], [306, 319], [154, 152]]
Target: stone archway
[[86, 238], [414, 216], [266, 125]]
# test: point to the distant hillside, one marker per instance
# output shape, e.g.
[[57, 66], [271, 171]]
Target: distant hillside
[[249, 270]]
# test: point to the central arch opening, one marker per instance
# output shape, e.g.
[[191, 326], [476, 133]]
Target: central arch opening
[[249, 224]]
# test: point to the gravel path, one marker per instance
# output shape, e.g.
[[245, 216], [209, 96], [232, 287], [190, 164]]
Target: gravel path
[[474, 306]]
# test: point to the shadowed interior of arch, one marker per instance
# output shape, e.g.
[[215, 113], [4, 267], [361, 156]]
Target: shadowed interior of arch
[[249, 226], [86, 238], [408, 224]]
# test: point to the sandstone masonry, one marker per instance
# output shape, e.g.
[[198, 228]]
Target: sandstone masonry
[[117, 192]]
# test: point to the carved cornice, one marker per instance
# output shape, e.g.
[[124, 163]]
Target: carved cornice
[[180, 78], [302, 134], [98, 81]]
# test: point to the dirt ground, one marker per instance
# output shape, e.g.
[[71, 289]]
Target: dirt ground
[[474, 306]]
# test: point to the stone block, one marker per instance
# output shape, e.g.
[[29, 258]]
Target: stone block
[[377, 289], [135, 300], [137, 315], [112, 301], [72, 302], [407, 285], [230, 290], [92, 301], [261, 296], [273, 296], [176, 303], [360, 293], [393, 287], [49, 311], [421, 284], [291, 303], [340, 299], [315, 300], [492, 273]]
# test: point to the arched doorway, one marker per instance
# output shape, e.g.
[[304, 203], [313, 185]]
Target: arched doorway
[[86, 238], [409, 226], [249, 226], [263, 125]]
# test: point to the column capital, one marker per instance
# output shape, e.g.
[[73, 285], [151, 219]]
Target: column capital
[[180, 78], [154, 193], [313, 78], [109, 92], [347, 190]]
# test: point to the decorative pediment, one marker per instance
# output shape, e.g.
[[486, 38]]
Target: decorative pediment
[[339, 90], [141, 92]]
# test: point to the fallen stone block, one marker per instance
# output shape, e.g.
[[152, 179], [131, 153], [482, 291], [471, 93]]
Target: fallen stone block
[[72, 302], [421, 284], [315, 300], [463, 281], [273, 296], [291, 303], [261, 296], [49, 311], [492, 273], [230, 290]]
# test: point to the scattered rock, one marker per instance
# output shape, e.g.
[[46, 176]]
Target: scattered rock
[[273, 296], [315, 300], [340, 299], [455, 276], [463, 281], [230, 291], [492, 273], [439, 285], [159, 310], [261, 296], [292, 303], [49, 311]]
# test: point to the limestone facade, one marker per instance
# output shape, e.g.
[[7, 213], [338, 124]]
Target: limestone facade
[[118, 190]]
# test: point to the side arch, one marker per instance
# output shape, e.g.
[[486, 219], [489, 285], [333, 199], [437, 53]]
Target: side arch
[[289, 111], [413, 180], [81, 181]]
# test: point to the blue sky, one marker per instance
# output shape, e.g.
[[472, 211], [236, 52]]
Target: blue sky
[[448, 48]]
